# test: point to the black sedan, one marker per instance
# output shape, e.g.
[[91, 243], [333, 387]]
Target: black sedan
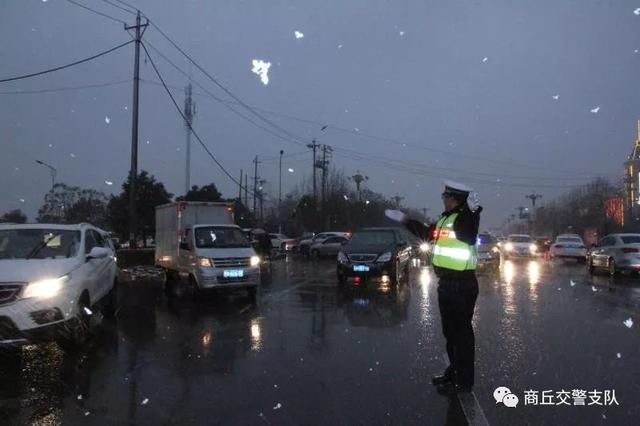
[[381, 254], [488, 252]]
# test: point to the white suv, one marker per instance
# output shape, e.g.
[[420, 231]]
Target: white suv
[[51, 279]]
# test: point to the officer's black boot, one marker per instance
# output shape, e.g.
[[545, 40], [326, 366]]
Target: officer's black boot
[[444, 378]]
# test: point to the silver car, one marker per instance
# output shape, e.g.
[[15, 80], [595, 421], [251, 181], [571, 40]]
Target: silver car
[[329, 247], [616, 252]]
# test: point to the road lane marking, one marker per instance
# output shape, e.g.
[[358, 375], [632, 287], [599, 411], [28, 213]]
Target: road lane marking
[[470, 406]]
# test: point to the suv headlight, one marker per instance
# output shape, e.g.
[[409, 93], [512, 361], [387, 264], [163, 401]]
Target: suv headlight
[[533, 247], [205, 262], [385, 257], [45, 289], [342, 258], [254, 261], [425, 247]]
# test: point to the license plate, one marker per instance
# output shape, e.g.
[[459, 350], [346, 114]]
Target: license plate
[[233, 273], [360, 268]]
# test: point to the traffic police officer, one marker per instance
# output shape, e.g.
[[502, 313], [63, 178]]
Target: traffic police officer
[[453, 240]]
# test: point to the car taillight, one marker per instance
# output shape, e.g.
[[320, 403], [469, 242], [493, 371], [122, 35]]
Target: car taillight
[[630, 250]]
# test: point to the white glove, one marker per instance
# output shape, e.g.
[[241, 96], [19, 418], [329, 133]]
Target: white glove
[[396, 215], [473, 201]]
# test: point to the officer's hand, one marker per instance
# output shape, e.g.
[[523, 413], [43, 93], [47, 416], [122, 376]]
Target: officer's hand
[[473, 202], [396, 215]]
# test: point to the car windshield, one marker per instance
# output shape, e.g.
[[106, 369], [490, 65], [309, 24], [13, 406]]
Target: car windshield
[[520, 239], [373, 238], [38, 243], [569, 240], [220, 237], [631, 239]]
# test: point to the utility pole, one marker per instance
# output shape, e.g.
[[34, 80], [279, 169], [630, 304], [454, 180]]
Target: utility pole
[[314, 146], [280, 194], [255, 183], [533, 197], [324, 165], [189, 113], [246, 190], [240, 188], [261, 192], [133, 173], [358, 178]]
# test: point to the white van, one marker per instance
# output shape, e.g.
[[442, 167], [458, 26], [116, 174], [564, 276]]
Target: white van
[[52, 279], [201, 241]]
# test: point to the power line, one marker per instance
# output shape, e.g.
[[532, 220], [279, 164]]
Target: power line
[[104, 15], [65, 89], [120, 7], [35, 74], [184, 118], [224, 102]]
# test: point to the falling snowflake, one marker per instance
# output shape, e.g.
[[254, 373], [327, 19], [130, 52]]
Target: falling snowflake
[[484, 60], [619, 355], [148, 142], [401, 33], [126, 108], [298, 34], [108, 182], [107, 120], [278, 406], [88, 311], [22, 200], [595, 110], [572, 283], [556, 97], [79, 397], [145, 401], [628, 322], [345, 197], [290, 170], [339, 46], [594, 288], [86, 413], [261, 68], [356, 129], [367, 202], [72, 155], [637, 12], [50, 145]]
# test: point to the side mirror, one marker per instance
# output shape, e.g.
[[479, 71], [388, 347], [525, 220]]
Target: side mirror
[[185, 246], [98, 253]]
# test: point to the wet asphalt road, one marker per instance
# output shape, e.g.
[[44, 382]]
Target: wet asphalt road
[[308, 353]]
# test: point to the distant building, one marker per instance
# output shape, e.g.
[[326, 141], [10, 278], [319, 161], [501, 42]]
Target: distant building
[[632, 184]]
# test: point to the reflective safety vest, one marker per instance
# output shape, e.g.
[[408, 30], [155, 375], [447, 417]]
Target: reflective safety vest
[[449, 252]]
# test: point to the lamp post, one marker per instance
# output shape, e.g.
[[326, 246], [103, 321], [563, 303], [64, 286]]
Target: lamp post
[[280, 195], [53, 171]]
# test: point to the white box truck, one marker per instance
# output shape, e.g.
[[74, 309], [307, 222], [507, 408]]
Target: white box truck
[[201, 241]]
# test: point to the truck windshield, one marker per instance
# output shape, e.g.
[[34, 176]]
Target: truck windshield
[[220, 237], [38, 244]]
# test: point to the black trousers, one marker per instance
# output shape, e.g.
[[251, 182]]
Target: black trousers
[[457, 294]]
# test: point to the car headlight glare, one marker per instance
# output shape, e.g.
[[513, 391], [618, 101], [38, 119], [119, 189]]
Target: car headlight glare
[[508, 247], [342, 258], [533, 247], [255, 260], [204, 262], [45, 289], [385, 257], [425, 247]]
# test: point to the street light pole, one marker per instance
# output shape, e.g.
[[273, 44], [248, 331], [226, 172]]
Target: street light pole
[[52, 170], [280, 195]]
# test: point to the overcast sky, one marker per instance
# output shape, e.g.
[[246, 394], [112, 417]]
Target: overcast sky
[[477, 78]]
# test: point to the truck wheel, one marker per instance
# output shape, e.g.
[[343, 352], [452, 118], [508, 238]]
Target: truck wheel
[[77, 328], [111, 302]]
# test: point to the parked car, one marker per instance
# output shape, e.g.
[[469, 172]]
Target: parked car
[[488, 252], [519, 245], [282, 242], [569, 246], [329, 247], [374, 254], [52, 279], [543, 243], [305, 245], [615, 252]]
